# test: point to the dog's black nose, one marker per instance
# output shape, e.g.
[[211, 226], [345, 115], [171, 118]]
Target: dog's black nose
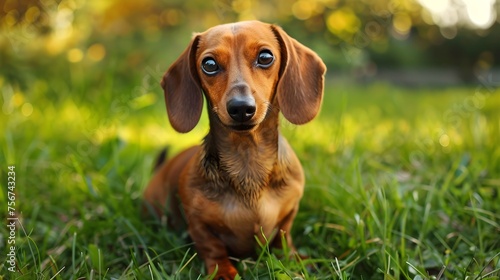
[[241, 109]]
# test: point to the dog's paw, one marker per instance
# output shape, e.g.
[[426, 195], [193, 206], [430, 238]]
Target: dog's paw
[[225, 272], [227, 276]]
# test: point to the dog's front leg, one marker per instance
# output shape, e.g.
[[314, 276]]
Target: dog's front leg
[[285, 228], [212, 250]]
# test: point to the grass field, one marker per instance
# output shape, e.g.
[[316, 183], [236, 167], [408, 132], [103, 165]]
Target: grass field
[[401, 183]]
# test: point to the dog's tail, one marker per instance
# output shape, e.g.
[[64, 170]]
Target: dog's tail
[[147, 208], [160, 159]]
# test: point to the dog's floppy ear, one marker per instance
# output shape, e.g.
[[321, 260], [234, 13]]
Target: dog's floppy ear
[[300, 88], [183, 95]]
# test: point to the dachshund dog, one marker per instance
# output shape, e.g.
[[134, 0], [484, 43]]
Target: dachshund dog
[[244, 182]]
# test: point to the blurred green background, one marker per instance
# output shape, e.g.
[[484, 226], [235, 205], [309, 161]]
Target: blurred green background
[[358, 38], [114, 53], [402, 164]]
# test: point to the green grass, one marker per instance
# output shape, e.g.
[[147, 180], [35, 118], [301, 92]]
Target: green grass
[[401, 183]]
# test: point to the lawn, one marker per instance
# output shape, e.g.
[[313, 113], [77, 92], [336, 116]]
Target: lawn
[[402, 183]]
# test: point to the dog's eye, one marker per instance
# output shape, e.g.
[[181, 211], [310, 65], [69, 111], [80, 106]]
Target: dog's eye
[[265, 59], [209, 66]]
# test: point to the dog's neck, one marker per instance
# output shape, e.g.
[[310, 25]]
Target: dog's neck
[[241, 161]]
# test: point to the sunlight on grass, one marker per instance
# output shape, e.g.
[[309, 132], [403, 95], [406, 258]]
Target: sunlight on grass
[[393, 189]]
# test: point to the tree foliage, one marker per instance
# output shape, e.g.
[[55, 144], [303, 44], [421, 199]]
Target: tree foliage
[[385, 33]]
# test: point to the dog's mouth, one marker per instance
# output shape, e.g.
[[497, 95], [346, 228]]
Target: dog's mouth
[[243, 127], [238, 127]]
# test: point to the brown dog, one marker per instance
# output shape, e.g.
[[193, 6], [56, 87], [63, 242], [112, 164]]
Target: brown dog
[[244, 181]]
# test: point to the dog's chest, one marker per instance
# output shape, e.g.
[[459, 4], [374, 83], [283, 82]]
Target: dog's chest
[[262, 220]]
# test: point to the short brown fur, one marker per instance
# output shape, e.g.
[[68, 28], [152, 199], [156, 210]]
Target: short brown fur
[[244, 181]]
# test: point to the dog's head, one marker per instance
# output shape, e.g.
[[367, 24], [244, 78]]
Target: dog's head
[[243, 68]]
